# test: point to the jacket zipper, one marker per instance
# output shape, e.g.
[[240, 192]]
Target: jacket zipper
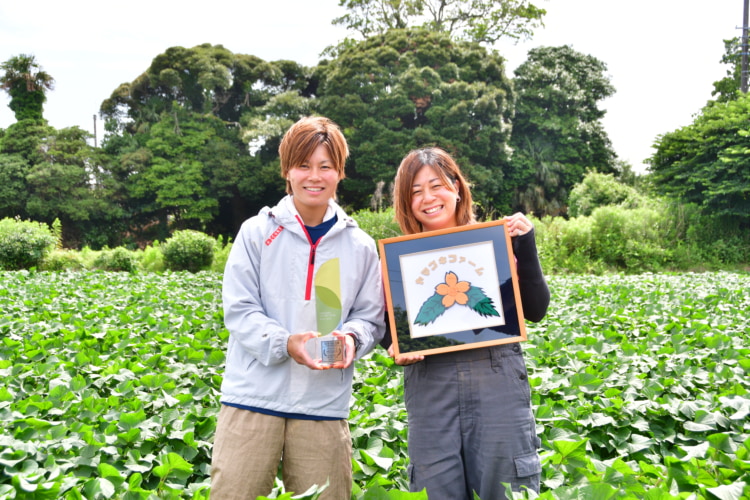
[[310, 262]]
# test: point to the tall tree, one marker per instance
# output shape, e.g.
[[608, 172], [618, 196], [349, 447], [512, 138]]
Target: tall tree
[[22, 146], [180, 133], [72, 183], [483, 21], [728, 88], [27, 84], [411, 88], [706, 162], [557, 128], [13, 189]]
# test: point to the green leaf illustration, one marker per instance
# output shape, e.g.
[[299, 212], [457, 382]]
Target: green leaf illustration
[[430, 310], [480, 303]]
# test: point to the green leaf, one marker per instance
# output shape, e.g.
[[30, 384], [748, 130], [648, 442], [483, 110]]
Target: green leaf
[[170, 463], [480, 303], [98, 488], [430, 310], [733, 491]]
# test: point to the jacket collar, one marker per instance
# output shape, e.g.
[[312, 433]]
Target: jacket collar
[[285, 213]]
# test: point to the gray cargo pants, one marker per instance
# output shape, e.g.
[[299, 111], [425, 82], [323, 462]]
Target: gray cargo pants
[[471, 426]]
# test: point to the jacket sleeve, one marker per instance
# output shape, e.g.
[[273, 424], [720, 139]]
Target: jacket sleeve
[[261, 336], [535, 293], [365, 319]]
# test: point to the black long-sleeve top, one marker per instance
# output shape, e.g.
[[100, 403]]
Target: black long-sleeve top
[[531, 283]]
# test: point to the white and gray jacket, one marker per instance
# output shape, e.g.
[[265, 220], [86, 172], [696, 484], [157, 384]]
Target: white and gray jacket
[[268, 294]]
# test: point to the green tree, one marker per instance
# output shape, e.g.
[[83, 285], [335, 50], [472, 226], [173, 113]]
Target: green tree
[[728, 88], [483, 21], [13, 190], [543, 194], [72, 183], [411, 88], [707, 163], [557, 129], [27, 85], [180, 133], [21, 147]]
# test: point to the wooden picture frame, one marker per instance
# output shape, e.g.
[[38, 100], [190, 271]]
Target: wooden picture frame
[[452, 289]]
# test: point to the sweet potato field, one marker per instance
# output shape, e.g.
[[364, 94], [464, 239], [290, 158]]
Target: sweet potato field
[[110, 389]]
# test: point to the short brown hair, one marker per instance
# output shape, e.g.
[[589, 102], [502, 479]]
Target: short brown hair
[[301, 140], [449, 174]]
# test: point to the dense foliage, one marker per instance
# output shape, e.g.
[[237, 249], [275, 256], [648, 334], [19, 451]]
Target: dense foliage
[[192, 142], [707, 162], [557, 129], [483, 21], [111, 388], [188, 250], [413, 88], [654, 236], [176, 138], [27, 84], [24, 244]]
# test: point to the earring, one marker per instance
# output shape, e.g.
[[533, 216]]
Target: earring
[[458, 199]]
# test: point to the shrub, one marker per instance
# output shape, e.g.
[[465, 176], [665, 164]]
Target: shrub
[[87, 255], [188, 250], [24, 244], [576, 241], [152, 259], [378, 225], [63, 260], [117, 259], [631, 240], [221, 254], [599, 190]]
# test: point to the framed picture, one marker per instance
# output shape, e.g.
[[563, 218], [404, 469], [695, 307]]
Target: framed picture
[[452, 289]]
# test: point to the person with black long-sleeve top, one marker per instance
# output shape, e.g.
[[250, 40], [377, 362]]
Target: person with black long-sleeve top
[[470, 423]]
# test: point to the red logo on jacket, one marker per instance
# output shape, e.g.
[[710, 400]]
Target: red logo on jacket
[[274, 235]]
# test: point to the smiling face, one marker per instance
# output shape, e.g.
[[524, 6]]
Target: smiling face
[[433, 203], [313, 183]]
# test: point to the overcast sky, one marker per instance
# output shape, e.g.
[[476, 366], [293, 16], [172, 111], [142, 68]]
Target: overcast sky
[[662, 55]]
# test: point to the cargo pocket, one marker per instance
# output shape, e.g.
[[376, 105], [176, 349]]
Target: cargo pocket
[[410, 475], [528, 465]]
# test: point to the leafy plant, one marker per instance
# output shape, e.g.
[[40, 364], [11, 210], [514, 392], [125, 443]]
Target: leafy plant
[[24, 244], [379, 225], [111, 389], [188, 250], [62, 260], [116, 259]]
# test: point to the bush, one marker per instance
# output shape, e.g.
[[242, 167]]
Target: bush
[[612, 238], [378, 225], [63, 260], [188, 250], [117, 259], [631, 240], [24, 244], [221, 254], [599, 190], [151, 258]]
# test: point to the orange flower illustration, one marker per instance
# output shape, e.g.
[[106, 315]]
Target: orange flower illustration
[[453, 290]]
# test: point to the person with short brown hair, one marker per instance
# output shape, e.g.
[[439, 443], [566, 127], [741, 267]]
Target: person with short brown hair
[[279, 404]]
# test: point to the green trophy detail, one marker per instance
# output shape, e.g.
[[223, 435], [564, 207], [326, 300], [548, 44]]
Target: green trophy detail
[[328, 310]]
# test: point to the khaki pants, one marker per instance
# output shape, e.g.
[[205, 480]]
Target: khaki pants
[[248, 447]]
